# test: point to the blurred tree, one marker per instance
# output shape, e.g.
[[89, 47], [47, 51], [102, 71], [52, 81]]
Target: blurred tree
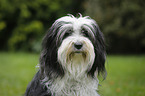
[[122, 22], [24, 22]]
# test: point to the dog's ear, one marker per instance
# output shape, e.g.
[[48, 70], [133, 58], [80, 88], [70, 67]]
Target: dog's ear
[[48, 59], [100, 52]]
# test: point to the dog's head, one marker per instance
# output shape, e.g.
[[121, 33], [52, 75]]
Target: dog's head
[[73, 45]]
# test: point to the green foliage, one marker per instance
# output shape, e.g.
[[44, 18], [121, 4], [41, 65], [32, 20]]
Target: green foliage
[[2, 25], [125, 74], [122, 22], [25, 34], [24, 22]]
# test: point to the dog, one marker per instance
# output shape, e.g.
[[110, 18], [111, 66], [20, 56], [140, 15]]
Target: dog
[[73, 56]]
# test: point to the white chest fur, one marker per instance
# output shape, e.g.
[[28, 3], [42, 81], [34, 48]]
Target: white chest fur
[[68, 86]]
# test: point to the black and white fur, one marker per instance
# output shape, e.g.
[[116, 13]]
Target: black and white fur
[[73, 55]]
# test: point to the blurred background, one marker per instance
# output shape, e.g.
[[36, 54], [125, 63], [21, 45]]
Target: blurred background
[[23, 24]]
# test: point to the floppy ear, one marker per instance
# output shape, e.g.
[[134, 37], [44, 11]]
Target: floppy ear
[[48, 59], [99, 47]]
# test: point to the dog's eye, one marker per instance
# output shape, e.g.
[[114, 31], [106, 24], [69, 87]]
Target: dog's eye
[[85, 32], [67, 33]]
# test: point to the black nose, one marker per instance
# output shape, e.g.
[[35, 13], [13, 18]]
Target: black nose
[[78, 45]]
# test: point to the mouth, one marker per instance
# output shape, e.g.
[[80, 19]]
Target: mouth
[[78, 53]]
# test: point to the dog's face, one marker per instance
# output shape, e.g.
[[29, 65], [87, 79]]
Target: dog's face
[[73, 45], [76, 52]]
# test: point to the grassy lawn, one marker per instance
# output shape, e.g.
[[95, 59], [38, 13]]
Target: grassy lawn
[[125, 74], [16, 71]]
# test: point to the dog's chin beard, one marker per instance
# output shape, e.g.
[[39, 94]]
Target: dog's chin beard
[[76, 64]]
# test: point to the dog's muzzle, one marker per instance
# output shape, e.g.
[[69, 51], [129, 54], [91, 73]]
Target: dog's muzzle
[[76, 48]]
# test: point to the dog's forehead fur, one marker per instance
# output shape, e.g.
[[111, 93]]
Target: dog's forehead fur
[[77, 21], [75, 24]]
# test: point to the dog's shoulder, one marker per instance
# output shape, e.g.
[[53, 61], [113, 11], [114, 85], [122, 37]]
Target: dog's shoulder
[[36, 88]]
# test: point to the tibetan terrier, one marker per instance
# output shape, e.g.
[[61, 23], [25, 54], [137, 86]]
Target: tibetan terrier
[[73, 55]]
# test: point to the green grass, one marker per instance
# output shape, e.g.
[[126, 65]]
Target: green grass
[[126, 74], [16, 71]]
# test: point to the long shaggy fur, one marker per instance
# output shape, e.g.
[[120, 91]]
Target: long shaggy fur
[[73, 55]]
